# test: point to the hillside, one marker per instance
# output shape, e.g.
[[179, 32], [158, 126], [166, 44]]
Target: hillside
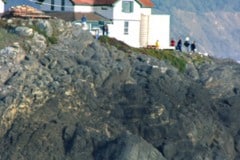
[[65, 95], [214, 25]]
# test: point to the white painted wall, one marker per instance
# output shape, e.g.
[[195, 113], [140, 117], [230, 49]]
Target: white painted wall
[[79, 8], [146, 11], [155, 24], [159, 29], [119, 15], [1, 6], [46, 5], [117, 30]]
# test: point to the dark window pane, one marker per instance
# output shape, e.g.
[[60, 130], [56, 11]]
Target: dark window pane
[[127, 6]]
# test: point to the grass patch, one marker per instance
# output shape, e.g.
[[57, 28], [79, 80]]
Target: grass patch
[[168, 55], [118, 44], [200, 59], [50, 39], [7, 39]]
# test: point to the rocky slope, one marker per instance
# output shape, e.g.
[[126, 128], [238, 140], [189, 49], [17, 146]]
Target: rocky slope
[[214, 25], [78, 98]]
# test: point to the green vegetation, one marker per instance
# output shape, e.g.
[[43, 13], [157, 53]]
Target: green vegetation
[[199, 59], [167, 55], [50, 39], [6, 38], [118, 44]]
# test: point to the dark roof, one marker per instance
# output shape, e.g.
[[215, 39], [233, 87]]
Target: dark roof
[[71, 16]]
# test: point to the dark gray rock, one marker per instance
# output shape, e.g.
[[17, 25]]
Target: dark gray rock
[[24, 31], [128, 147], [46, 27], [77, 99]]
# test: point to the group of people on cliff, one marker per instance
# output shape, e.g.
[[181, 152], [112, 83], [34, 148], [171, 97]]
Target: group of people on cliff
[[189, 46]]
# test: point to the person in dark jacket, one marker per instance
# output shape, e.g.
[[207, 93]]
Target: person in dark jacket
[[187, 44], [179, 45], [84, 19], [193, 47], [105, 29]]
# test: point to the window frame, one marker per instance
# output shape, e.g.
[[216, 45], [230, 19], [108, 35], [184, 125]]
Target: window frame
[[126, 28], [52, 5], [63, 5], [104, 8], [127, 6]]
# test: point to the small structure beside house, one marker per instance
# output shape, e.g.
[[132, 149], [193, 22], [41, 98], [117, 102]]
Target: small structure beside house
[[25, 11], [130, 21]]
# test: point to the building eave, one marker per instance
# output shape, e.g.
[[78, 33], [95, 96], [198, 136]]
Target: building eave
[[75, 16], [143, 3]]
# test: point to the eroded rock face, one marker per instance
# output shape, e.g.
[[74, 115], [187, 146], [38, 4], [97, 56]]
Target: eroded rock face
[[24, 31], [128, 147], [81, 99]]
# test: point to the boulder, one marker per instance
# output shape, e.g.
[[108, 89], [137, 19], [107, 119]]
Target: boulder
[[24, 31], [128, 147]]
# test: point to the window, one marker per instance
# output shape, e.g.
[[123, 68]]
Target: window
[[52, 5], [63, 5], [104, 8], [126, 24], [127, 6]]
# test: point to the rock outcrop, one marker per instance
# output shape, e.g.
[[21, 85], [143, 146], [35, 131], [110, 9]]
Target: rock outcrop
[[128, 147], [79, 98]]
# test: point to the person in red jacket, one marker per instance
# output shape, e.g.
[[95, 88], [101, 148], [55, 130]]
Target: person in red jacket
[[172, 43]]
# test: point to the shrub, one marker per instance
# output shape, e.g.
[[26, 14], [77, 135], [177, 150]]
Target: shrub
[[50, 39], [118, 44], [168, 55]]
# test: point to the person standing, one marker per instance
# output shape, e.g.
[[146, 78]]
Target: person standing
[[84, 19], [105, 29], [172, 43], [179, 45], [193, 47], [96, 34], [157, 44], [84, 22], [187, 44]]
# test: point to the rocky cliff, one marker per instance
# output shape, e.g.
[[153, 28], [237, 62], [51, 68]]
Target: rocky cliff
[[65, 95]]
